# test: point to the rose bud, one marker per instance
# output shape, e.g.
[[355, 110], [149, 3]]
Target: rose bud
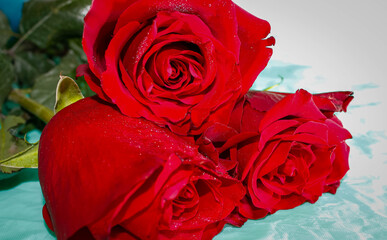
[[286, 148], [181, 64], [108, 176]]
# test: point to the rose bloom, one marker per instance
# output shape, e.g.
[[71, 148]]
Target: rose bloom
[[286, 148], [182, 64], [108, 176]]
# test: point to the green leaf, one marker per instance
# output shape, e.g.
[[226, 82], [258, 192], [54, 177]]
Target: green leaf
[[7, 76], [44, 88], [46, 22], [29, 65], [67, 93], [11, 145], [5, 29], [27, 158]]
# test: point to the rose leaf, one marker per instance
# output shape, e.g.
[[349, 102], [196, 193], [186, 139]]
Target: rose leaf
[[67, 93], [5, 29], [7, 76], [45, 85], [15, 153], [29, 65], [75, 44], [47, 22], [27, 158]]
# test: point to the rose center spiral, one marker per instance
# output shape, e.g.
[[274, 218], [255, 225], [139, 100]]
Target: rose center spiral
[[175, 66], [186, 202]]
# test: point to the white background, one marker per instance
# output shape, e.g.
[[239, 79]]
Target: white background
[[344, 40]]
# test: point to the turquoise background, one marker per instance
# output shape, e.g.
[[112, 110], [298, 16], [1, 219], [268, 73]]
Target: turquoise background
[[12, 8], [358, 209]]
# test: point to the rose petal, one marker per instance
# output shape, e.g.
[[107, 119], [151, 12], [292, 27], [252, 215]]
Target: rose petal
[[340, 100], [336, 133], [219, 132], [299, 104], [264, 100], [274, 129], [236, 115], [228, 72], [141, 42], [322, 167], [255, 52], [250, 119], [247, 209], [315, 128], [276, 158], [93, 82], [118, 93], [263, 197], [212, 14], [47, 218], [98, 29], [340, 164], [289, 202], [247, 155], [103, 126]]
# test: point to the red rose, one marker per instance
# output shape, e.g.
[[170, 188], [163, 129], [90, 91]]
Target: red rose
[[105, 175], [181, 63], [289, 148]]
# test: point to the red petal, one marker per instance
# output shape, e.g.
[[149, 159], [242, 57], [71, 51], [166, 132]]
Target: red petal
[[272, 130], [47, 218], [277, 158], [299, 104], [336, 133], [98, 29], [289, 202], [93, 82], [255, 52], [250, 119], [236, 115], [219, 132], [340, 100], [218, 15], [91, 155], [315, 128], [340, 163], [247, 209], [264, 100]]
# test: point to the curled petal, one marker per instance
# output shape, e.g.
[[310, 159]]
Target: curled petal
[[93, 82], [299, 104], [255, 46]]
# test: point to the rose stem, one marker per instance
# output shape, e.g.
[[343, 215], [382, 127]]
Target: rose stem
[[42, 112]]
